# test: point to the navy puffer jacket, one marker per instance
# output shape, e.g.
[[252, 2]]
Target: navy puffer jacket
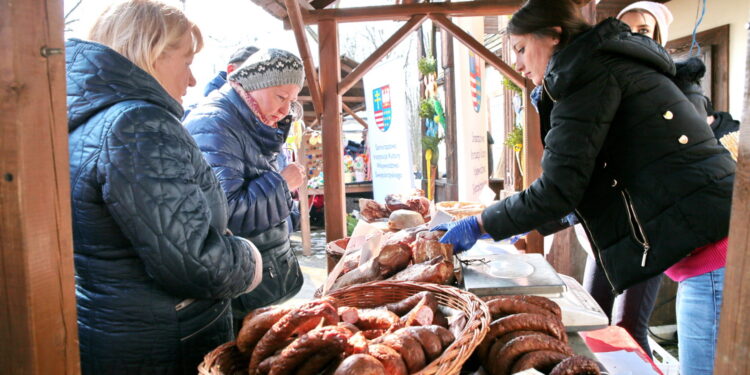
[[154, 270], [243, 154], [242, 151]]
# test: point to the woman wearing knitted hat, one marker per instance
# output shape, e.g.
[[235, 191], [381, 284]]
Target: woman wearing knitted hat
[[241, 128], [648, 18]]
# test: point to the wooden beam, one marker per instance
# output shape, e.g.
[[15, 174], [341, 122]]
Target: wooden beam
[[734, 332], [37, 289], [406, 11], [450, 185], [354, 115], [345, 99], [295, 17], [478, 48], [304, 4], [352, 78], [333, 168], [320, 4], [532, 159]]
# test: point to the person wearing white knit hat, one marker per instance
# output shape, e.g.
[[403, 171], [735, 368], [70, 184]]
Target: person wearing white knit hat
[[242, 128], [648, 18]]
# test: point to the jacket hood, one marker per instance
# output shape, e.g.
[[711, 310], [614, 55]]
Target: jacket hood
[[98, 77], [610, 36]]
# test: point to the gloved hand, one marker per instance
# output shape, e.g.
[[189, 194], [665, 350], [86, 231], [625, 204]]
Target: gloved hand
[[462, 234]]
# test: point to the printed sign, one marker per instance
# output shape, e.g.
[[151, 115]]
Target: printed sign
[[475, 78], [388, 133], [381, 99]]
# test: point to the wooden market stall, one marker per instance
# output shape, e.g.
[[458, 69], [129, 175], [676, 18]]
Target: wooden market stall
[[38, 315]]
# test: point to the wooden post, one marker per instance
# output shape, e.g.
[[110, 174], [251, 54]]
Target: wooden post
[[38, 305], [451, 159], [330, 75], [734, 332], [295, 18], [532, 159], [304, 203]]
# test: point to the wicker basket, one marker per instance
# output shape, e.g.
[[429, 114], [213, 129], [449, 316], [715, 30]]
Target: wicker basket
[[227, 360], [478, 316], [460, 210], [224, 360]]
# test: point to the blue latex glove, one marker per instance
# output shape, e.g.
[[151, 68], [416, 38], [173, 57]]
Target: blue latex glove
[[462, 234]]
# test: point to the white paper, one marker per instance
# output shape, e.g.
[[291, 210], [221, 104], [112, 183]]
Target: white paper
[[439, 217], [623, 362]]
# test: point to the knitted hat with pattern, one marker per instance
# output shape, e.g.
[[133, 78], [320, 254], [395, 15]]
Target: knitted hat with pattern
[[268, 68]]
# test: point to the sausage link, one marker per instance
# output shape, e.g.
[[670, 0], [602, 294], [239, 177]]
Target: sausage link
[[256, 326], [330, 338], [429, 340], [521, 322], [404, 306], [503, 306], [504, 339], [541, 360], [409, 348], [317, 362], [360, 364], [578, 365], [446, 337], [514, 349], [540, 301], [275, 337], [376, 319], [390, 358]]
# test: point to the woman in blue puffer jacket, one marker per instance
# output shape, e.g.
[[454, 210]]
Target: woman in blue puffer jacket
[[155, 267], [241, 129]]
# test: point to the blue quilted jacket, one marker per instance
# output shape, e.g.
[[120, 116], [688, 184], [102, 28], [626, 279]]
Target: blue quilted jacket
[[154, 270], [242, 152]]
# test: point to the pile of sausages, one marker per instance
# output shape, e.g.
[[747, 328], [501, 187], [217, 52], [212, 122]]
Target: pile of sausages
[[321, 337], [412, 254], [527, 332]]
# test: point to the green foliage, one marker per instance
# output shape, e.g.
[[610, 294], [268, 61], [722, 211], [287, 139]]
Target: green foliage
[[426, 109], [427, 65], [431, 143], [515, 137], [508, 84], [351, 222]]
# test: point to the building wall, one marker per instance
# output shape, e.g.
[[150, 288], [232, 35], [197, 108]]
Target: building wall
[[736, 13]]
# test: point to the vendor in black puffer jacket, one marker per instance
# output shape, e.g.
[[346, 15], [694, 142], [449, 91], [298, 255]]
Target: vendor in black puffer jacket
[[241, 129], [624, 149], [155, 269]]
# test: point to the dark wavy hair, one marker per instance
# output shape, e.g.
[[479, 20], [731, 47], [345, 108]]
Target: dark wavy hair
[[538, 17]]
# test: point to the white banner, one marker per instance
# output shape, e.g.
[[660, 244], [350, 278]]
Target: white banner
[[471, 115], [388, 133]]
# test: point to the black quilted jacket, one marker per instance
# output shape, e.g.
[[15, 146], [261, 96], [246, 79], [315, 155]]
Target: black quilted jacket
[[154, 270], [626, 150]]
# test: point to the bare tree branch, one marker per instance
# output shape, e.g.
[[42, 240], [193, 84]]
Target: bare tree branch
[[72, 10]]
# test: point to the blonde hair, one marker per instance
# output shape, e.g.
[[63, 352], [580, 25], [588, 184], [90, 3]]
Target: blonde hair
[[142, 30]]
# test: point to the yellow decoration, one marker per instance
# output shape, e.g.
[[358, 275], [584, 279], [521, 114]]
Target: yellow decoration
[[428, 157]]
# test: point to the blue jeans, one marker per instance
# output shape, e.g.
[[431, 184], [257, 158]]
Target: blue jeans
[[698, 309]]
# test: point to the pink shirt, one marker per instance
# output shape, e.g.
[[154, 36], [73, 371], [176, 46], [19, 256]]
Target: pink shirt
[[703, 259]]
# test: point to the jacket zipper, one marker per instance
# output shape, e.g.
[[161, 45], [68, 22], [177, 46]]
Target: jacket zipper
[[544, 86], [637, 229], [597, 251], [217, 317]]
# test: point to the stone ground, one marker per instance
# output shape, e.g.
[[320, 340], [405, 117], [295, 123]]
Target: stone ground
[[314, 271]]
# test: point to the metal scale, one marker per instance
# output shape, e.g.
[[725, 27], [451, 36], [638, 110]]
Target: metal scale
[[492, 269]]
